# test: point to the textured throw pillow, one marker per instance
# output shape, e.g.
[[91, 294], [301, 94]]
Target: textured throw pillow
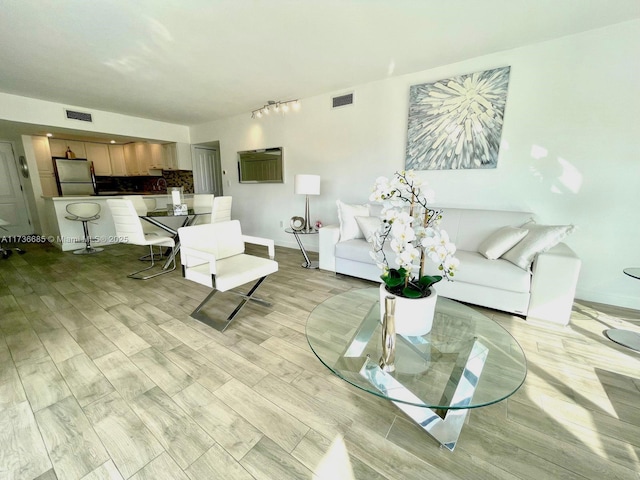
[[369, 226], [348, 226], [500, 241], [539, 239]]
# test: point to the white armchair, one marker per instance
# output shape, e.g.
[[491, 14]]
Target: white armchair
[[213, 255]]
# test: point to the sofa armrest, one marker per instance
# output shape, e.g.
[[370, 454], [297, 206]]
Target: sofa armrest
[[329, 236], [553, 285]]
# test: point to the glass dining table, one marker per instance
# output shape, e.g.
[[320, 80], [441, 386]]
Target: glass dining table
[[160, 218]]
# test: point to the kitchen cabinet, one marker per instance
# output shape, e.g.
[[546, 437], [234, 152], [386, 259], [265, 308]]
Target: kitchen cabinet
[[149, 161], [58, 147], [155, 156], [116, 156], [43, 155], [98, 153], [131, 159], [177, 156], [142, 156]]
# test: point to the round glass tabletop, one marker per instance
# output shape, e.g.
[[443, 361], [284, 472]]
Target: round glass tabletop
[[466, 361]]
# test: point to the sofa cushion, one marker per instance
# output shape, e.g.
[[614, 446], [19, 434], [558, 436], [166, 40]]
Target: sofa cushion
[[346, 215], [369, 226], [539, 239], [500, 241], [359, 250], [475, 268]]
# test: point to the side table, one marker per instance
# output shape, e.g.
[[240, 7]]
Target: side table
[[307, 263], [626, 338]]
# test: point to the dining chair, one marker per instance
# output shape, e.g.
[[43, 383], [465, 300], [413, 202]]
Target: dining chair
[[142, 207], [213, 255], [84, 212], [203, 202], [129, 230], [221, 211]]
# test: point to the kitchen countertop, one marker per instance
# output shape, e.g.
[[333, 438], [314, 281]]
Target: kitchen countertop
[[112, 194]]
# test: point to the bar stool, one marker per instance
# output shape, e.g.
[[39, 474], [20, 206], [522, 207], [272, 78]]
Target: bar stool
[[84, 212]]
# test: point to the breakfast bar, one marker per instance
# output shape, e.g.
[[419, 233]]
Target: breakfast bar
[[68, 234]]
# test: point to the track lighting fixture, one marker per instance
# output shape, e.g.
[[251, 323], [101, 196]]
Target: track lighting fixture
[[275, 107]]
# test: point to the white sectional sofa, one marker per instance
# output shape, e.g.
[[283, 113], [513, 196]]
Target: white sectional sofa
[[545, 291]]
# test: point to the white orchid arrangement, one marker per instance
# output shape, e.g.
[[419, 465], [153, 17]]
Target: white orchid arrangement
[[415, 235]]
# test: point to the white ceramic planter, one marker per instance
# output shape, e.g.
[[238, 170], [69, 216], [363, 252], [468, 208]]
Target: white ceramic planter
[[413, 316]]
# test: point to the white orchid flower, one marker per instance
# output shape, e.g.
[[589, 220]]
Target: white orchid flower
[[409, 235]]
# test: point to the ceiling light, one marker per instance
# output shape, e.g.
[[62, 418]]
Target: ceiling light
[[276, 107], [49, 135], [113, 141]]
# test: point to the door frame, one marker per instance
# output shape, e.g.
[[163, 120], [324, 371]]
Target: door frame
[[22, 201]]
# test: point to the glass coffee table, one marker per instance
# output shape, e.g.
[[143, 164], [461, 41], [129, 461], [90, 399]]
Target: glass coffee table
[[466, 361], [626, 338]]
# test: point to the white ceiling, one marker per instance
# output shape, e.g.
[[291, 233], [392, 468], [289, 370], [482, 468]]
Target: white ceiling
[[191, 61]]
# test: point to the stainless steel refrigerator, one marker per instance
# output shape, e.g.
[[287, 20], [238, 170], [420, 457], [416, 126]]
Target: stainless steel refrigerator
[[74, 177]]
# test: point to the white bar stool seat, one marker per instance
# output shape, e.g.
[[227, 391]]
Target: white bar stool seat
[[84, 212]]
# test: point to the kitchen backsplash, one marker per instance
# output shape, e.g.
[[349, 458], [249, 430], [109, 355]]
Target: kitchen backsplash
[[179, 178], [169, 178]]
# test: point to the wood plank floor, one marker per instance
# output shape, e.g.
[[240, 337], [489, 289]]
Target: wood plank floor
[[102, 376]]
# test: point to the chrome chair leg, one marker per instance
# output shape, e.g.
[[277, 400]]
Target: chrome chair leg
[[135, 276], [221, 326]]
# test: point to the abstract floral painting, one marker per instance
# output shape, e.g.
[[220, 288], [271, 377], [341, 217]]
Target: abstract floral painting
[[456, 123]]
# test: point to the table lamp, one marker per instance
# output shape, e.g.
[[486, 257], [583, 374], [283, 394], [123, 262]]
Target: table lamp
[[307, 185]]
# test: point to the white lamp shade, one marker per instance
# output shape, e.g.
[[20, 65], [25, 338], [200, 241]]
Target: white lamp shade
[[307, 184]]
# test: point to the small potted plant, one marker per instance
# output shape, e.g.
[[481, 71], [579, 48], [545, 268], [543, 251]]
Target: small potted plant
[[413, 232]]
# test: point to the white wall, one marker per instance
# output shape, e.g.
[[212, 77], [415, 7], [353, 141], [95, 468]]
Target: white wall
[[570, 151], [41, 112], [26, 110]]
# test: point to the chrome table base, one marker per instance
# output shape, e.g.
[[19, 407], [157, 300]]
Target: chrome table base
[[444, 422], [445, 430]]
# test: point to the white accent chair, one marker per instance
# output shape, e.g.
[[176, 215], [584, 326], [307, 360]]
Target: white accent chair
[[213, 255], [221, 211], [84, 212], [129, 230]]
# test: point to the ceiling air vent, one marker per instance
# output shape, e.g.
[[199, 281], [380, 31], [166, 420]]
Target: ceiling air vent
[[342, 100], [82, 116]]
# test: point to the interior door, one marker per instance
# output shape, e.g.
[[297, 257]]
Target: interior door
[[207, 176], [14, 217]]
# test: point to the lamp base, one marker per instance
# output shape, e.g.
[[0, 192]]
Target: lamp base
[[307, 227]]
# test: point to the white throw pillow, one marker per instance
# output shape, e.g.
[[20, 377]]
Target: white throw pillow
[[539, 239], [369, 226], [348, 226], [500, 241]]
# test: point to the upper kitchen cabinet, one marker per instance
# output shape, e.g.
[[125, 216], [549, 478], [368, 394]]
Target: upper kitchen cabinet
[[118, 165], [131, 159], [142, 155], [147, 164], [155, 156], [43, 155], [98, 153], [177, 156], [59, 148]]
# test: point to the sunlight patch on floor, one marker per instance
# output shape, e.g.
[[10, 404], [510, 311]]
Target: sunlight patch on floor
[[335, 464]]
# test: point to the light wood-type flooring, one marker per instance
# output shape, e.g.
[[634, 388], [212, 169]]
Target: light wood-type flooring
[[105, 377]]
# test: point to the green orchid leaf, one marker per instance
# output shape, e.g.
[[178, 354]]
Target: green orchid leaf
[[429, 280], [410, 292]]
